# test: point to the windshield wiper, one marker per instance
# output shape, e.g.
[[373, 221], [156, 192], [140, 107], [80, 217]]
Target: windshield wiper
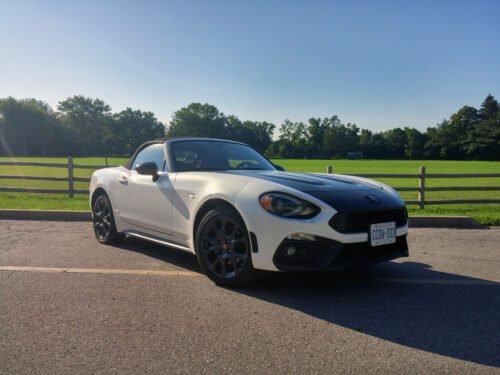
[[250, 169]]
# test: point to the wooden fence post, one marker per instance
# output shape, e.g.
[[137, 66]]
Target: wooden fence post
[[70, 176], [329, 169], [421, 188]]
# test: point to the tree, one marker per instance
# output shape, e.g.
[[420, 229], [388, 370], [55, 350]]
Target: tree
[[482, 139], [26, 126], [396, 142], [197, 120], [415, 141], [339, 138], [292, 139], [256, 134], [316, 130], [489, 108], [88, 118], [134, 127]]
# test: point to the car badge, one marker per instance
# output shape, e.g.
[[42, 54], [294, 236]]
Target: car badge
[[372, 198]]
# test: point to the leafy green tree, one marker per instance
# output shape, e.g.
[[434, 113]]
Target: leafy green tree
[[26, 126], [256, 134], [339, 138], [396, 142], [88, 118], [292, 139], [197, 120], [489, 108], [482, 141], [134, 127], [15, 125], [316, 130], [415, 142]]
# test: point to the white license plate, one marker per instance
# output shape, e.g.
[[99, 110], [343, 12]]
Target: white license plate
[[383, 233]]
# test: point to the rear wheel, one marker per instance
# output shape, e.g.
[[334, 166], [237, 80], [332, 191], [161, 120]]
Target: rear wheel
[[104, 222], [223, 248]]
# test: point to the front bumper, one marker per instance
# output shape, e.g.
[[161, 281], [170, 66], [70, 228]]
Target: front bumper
[[327, 254]]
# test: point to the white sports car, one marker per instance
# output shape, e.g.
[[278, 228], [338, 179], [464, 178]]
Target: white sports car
[[238, 212]]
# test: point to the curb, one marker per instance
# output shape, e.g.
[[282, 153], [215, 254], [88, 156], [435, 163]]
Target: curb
[[444, 221], [60, 215], [56, 215]]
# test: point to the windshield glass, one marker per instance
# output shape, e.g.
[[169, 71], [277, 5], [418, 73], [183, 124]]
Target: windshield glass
[[214, 155]]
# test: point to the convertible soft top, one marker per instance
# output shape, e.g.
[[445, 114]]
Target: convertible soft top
[[130, 161]]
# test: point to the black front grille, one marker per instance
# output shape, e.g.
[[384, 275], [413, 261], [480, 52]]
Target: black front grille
[[329, 254], [355, 222]]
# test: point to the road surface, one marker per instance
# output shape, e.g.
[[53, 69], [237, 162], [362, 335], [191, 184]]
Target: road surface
[[71, 305]]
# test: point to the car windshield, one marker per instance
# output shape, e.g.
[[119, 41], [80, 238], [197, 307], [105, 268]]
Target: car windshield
[[217, 155]]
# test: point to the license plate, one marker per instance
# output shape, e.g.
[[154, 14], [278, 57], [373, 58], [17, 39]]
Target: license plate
[[383, 233]]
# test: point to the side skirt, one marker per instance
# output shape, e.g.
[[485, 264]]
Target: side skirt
[[156, 240]]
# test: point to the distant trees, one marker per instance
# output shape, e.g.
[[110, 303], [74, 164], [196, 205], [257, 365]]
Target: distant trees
[[80, 127], [469, 134], [86, 126], [134, 127], [27, 126], [205, 120]]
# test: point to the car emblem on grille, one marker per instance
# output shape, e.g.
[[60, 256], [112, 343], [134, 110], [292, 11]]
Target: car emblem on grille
[[372, 198]]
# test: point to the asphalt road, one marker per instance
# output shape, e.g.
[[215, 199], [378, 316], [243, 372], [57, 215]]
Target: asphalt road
[[71, 305]]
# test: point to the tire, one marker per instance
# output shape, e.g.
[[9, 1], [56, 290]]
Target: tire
[[223, 248], [104, 221]]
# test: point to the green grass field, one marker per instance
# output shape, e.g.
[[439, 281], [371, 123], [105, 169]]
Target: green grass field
[[487, 214]]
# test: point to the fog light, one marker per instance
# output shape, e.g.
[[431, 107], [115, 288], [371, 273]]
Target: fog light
[[291, 251], [301, 236]]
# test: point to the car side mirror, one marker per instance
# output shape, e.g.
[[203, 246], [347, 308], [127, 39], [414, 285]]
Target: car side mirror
[[279, 167], [148, 168]]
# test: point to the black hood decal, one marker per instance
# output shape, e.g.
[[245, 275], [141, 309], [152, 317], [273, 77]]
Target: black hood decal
[[341, 193]]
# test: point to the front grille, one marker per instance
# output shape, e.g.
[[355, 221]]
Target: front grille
[[355, 222], [329, 254]]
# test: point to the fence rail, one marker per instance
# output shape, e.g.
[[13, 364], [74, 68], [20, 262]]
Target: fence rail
[[421, 189], [71, 179]]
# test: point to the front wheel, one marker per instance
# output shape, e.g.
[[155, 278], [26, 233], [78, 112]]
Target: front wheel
[[223, 248], [104, 222]]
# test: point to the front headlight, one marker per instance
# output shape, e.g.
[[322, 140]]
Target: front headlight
[[288, 206]]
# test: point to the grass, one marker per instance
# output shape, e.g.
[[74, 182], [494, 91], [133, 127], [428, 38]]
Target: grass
[[487, 214]]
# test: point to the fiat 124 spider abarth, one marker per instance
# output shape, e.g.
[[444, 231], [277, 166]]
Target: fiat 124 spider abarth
[[238, 212]]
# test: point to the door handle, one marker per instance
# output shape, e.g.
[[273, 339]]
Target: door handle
[[123, 180]]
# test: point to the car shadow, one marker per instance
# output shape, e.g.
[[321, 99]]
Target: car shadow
[[173, 256], [406, 303]]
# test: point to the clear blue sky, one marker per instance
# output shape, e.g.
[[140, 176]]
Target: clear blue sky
[[374, 63]]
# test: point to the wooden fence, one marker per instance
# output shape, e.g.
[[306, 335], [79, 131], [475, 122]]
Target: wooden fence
[[421, 189], [71, 179]]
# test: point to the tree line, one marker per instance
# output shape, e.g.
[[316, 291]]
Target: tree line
[[82, 126]]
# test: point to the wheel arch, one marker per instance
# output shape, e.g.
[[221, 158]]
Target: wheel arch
[[98, 191], [210, 205]]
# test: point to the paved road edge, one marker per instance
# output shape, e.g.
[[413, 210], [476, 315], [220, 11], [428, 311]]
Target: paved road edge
[[415, 221], [63, 215]]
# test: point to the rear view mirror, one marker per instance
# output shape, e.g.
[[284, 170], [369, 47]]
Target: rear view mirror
[[148, 168]]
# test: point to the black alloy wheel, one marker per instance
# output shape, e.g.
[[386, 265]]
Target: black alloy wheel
[[223, 248], [104, 224]]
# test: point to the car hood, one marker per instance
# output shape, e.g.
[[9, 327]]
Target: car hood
[[343, 193]]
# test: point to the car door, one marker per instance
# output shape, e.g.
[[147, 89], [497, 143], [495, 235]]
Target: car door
[[142, 202]]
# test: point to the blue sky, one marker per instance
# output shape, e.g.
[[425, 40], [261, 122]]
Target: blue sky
[[374, 63]]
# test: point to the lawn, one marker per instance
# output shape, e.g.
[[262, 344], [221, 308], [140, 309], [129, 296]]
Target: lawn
[[488, 214]]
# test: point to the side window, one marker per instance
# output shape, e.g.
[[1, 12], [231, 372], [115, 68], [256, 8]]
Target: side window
[[151, 153]]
